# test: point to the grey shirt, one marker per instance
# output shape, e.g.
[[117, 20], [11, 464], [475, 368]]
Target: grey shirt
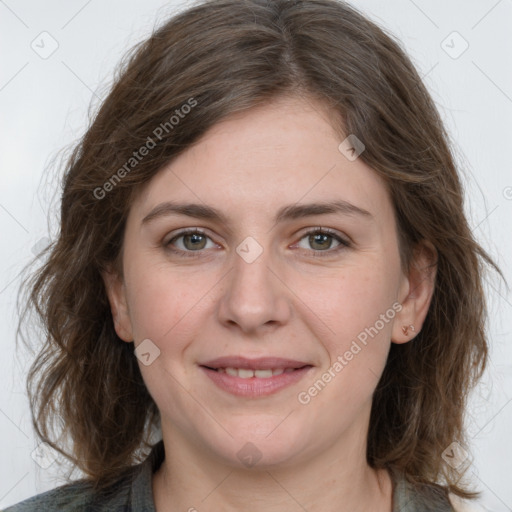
[[134, 493]]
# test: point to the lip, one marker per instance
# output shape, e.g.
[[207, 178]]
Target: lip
[[255, 387], [260, 363]]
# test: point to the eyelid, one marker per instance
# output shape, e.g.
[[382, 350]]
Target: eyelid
[[186, 231], [342, 237], [344, 241]]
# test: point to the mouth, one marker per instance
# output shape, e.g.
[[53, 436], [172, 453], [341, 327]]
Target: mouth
[[249, 373], [254, 378]]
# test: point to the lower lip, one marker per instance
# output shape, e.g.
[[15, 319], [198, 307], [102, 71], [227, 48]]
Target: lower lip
[[255, 386]]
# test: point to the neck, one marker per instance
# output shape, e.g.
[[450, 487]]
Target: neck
[[331, 483]]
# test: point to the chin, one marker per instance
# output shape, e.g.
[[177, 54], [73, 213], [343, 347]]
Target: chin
[[261, 447]]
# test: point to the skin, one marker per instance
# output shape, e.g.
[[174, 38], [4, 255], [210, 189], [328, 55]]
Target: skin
[[298, 299]]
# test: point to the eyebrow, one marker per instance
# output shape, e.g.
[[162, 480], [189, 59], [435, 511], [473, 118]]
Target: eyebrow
[[290, 212]]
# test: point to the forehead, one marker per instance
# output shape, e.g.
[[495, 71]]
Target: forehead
[[254, 162]]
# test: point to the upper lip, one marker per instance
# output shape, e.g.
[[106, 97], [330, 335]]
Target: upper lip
[[261, 363]]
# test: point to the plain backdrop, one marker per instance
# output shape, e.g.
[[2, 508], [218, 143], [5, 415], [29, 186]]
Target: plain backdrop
[[58, 56]]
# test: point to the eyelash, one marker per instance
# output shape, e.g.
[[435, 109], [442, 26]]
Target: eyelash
[[344, 244]]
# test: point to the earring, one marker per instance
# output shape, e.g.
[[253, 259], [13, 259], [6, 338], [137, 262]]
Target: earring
[[405, 329]]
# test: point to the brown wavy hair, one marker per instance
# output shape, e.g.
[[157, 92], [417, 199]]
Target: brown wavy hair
[[228, 56]]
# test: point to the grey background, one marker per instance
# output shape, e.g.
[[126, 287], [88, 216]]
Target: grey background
[[44, 106]]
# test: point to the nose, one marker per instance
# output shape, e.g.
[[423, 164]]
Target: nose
[[255, 297]]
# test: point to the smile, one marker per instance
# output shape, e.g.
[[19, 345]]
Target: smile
[[247, 373], [254, 383]]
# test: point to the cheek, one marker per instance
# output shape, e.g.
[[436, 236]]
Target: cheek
[[163, 302], [352, 302], [354, 320], [165, 308], [359, 315]]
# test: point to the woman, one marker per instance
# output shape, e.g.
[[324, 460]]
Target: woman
[[263, 260]]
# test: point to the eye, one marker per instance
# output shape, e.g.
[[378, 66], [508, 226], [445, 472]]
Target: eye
[[193, 240], [321, 239]]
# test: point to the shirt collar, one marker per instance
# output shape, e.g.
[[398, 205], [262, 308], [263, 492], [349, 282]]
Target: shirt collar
[[142, 485]]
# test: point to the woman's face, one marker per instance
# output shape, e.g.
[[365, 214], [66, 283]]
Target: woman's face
[[263, 283]]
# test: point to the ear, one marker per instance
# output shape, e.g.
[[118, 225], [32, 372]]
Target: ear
[[116, 292], [415, 294]]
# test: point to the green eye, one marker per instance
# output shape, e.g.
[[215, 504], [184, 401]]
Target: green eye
[[320, 240], [193, 241]]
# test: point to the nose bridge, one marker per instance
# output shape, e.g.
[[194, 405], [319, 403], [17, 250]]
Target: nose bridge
[[255, 296]]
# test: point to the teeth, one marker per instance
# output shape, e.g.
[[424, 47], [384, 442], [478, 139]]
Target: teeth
[[263, 374], [245, 373]]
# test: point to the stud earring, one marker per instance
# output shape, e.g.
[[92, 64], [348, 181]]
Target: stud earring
[[405, 329]]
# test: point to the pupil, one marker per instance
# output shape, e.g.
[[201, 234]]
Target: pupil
[[320, 237], [195, 239]]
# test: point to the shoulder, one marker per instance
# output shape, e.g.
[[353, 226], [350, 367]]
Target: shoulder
[[419, 497], [72, 497], [460, 505], [76, 497], [428, 497], [131, 490]]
